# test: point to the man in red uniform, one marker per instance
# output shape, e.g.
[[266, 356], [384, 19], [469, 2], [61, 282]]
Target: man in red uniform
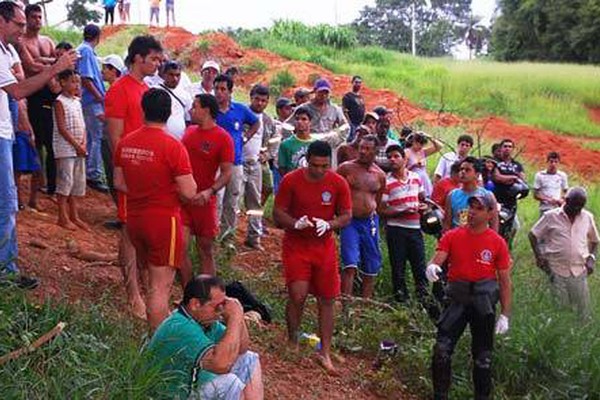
[[310, 204], [211, 149], [154, 170], [123, 113], [478, 275]]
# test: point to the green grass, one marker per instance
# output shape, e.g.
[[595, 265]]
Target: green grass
[[549, 96], [72, 36], [118, 43]]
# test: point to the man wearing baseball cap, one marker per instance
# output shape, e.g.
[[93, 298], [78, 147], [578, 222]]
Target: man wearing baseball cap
[[479, 267], [326, 116], [210, 70], [112, 68]]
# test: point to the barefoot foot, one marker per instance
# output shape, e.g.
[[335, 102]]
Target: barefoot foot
[[327, 365], [67, 225]]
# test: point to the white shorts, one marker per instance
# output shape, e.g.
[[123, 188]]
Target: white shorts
[[70, 176]]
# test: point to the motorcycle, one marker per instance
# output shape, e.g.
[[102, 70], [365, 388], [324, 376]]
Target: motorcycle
[[508, 213]]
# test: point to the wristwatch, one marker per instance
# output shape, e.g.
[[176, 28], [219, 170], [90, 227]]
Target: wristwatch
[[592, 256]]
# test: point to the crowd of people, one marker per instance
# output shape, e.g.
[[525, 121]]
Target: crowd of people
[[182, 159], [123, 7]]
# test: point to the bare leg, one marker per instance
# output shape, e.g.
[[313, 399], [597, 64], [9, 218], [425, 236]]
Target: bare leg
[[254, 389], [19, 191], [63, 215], [160, 280], [74, 214], [368, 286], [127, 260], [348, 275], [297, 292], [326, 320], [185, 272], [205, 249], [34, 186]]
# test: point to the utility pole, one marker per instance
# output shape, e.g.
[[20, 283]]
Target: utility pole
[[413, 30]]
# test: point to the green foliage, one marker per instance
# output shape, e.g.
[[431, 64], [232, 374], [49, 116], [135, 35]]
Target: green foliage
[[438, 25], [339, 37], [118, 43], [59, 35], [203, 45], [256, 65], [561, 30], [79, 13], [281, 81]]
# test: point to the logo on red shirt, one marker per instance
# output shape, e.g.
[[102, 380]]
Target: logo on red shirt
[[205, 146], [326, 198], [485, 257]]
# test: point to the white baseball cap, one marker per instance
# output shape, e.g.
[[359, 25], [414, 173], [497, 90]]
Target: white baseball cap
[[113, 60], [211, 64]]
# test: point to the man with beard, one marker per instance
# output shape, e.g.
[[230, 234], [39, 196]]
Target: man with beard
[[360, 240]]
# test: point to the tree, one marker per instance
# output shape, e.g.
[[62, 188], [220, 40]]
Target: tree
[[558, 30], [79, 13], [438, 24]]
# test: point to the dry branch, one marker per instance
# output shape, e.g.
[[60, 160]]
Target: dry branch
[[35, 345]]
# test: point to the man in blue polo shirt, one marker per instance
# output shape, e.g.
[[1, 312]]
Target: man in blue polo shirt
[[92, 102], [201, 357], [242, 124]]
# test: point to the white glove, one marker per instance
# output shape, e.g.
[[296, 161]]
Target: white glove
[[322, 226], [502, 325], [303, 223], [433, 272]]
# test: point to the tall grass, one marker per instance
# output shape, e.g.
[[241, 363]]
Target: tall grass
[[550, 96]]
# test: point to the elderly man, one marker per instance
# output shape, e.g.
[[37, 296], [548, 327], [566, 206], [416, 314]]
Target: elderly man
[[210, 70], [204, 357], [568, 253]]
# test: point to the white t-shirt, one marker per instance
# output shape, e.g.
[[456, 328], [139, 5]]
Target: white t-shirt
[[252, 147], [179, 113], [14, 55], [446, 161], [6, 78], [550, 185]]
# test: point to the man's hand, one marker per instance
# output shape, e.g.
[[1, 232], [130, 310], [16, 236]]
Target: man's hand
[[203, 197], [66, 61], [322, 226], [502, 325], [589, 264], [433, 272], [80, 150], [232, 309], [303, 223]]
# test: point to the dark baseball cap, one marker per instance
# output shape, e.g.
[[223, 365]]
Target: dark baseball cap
[[302, 91], [283, 102], [485, 199], [381, 110]]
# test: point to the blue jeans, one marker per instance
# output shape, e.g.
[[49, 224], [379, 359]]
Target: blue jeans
[[95, 129], [8, 209]]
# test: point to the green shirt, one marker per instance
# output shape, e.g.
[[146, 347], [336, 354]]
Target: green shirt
[[291, 152], [177, 345]]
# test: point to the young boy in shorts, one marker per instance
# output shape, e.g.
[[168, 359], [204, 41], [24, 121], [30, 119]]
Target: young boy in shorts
[[25, 158], [69, 150]]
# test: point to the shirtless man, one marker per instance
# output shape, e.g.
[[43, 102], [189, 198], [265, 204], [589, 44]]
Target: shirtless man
[[360, 240], [349, 151], [37, 54]]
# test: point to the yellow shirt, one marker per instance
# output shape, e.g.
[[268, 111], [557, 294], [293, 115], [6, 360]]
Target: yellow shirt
[[565, 244], [154, 3]]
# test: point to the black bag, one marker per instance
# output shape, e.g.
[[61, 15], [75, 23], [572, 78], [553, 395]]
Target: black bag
[[250, 303]]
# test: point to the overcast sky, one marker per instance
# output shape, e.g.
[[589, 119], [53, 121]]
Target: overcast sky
[[198, 15]]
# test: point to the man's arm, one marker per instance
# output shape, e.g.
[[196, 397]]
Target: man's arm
[[283, 219], [540, 261], [447, 222], [439, 258], [89, 85], [186, 186], [221, 358], [203, 197], [31, 85], [495, 220], [503, 179], [244, 339], [119, 180], [252, 130], [115, 130], [341, 220], [505, 291]]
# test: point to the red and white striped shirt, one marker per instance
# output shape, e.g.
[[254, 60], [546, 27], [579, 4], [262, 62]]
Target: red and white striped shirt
[[402, 195]]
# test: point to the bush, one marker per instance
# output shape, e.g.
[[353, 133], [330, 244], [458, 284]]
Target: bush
[[281, 81]]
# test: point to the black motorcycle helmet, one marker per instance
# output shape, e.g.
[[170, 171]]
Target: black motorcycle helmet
[[518, 190], [431, 221]]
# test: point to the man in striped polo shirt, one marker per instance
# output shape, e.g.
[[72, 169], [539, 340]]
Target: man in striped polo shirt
[[400, 208]]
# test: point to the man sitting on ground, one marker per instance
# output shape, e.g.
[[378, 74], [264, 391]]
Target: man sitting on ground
[[201, 356]]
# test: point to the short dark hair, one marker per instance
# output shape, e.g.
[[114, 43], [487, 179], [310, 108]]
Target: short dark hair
[[465, 138], [169, 65], [355, 77], [31, 8], [371, 139], [200, 288], [64, 46], [507, 141], [91, 32], [209, 101], [232, 71], [477, 165], [112, 68], [495, 147], [318, 148], [553, 155], [142, 45], [156, 104], [259, 90], [66, 74], [7, 10], [303, 110], [455, 168], [394, 147], [224, 78]]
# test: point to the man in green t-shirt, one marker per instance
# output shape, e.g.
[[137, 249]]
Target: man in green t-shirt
[[199, 356]]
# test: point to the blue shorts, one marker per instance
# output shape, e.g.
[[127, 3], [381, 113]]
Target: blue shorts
[[360, 245], [25, 156]]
